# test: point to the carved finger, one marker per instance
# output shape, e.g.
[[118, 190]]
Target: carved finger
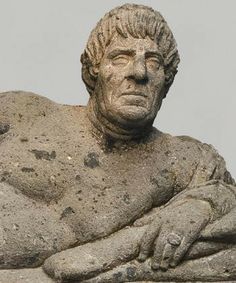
[[158, 251], [166, 246], [181, 251], [167, 256], [148, 240], [173, 241]]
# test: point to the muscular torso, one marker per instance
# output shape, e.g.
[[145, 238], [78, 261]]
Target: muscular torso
[[51, 156]]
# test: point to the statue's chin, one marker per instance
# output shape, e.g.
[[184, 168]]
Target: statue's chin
[[132, 115]]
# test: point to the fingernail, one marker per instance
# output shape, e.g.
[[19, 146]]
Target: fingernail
[[164, 267], [155, 266], [142, 257]]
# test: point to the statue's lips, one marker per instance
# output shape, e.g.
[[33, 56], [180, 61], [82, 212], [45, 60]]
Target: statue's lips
[[134, 93], [134, 98]]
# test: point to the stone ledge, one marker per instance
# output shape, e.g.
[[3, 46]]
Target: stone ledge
[[35, 275]]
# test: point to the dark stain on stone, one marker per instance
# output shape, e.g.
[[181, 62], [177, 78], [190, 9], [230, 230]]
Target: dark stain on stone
[[154, 181], [66, 212], [33, 259], [117, 277], [5, 176], [27, 169], [77, 177], [164, 172], [24, 139], [16, 226], [91, 160], [43, 154], [167, 153], [126, 198], [131, 273], [4, 128]]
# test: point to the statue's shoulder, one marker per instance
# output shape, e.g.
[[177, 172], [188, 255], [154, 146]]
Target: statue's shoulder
[[24, 106], [192, 143], [192, 146], [189, 142], [184, 145], [187, 146], [177, 143], [209, 163]]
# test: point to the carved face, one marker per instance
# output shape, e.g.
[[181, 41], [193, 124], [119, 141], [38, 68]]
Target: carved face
[[130, 81]]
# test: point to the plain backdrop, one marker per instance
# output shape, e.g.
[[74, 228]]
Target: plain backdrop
[[41, 42]]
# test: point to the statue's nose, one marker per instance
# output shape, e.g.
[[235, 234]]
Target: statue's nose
[[138, 70]]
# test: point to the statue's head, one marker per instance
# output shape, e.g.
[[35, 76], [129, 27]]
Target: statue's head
[[129, 64]]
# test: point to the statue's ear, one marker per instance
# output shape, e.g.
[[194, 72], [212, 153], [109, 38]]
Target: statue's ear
[[89, 72], [89, 76], [93, 70], [168, 82]]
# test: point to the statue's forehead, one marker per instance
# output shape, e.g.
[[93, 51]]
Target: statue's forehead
[[138, 44]]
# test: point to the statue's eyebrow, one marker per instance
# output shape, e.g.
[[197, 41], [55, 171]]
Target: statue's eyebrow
[[132, 52], [119, 51], [154, 54]]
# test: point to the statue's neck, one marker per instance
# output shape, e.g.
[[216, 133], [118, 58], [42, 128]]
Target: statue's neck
[[105, 129]]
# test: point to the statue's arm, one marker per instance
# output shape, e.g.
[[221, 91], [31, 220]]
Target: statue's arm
[[18, 108], [212, 183], [206, 208], [220, 196], [211, 166]]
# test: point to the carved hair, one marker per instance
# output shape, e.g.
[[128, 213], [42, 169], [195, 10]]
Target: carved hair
[[133, 20]]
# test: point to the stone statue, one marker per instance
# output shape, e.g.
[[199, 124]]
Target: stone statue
[[96, 193]]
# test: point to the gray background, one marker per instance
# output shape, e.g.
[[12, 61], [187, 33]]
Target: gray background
[[41, 42]]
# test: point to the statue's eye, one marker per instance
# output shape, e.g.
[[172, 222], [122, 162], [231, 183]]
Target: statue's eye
[[153, 62], [121, 60]]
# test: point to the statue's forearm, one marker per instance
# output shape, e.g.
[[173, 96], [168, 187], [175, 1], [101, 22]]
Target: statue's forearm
[[95, 258], [221, 197]]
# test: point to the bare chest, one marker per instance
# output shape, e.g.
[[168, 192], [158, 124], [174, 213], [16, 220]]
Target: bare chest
[[86, 185]]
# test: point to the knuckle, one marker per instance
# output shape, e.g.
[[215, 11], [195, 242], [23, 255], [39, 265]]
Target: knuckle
[[155, 265]]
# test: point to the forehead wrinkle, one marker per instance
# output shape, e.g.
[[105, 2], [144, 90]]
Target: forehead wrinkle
[[133, 52], [132, 45], [122, 50]]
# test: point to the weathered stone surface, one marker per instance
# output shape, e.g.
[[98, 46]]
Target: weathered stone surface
[[95, 193], [24, 276]]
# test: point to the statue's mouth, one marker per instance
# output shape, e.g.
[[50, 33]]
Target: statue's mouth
[[134, 93], [134, 99]]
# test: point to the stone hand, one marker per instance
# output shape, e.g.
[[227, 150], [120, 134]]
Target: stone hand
[[173, 231]]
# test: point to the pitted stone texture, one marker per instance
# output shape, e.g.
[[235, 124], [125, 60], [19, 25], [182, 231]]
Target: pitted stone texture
[[88, 189], [58, 171], [24, 276]]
